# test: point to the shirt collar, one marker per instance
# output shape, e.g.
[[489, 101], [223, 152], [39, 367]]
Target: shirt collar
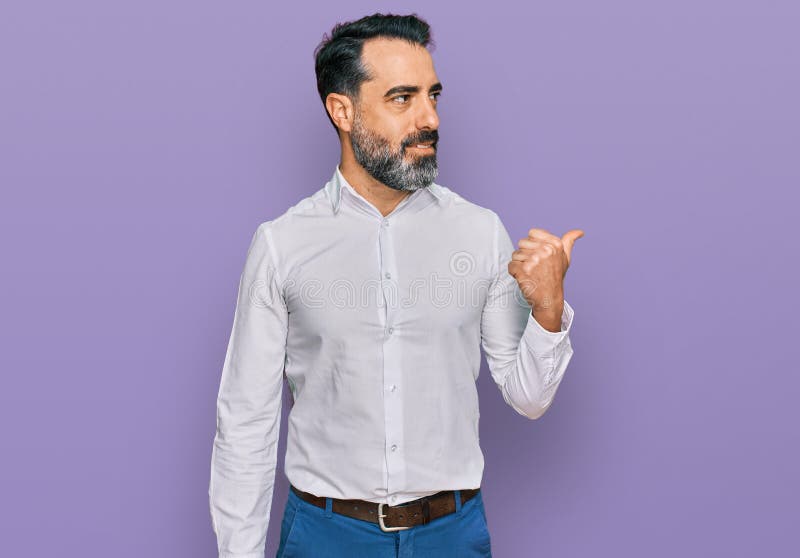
[[335, 185]]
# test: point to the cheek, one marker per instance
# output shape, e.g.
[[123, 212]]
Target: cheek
[[395, 128], [398, 136]]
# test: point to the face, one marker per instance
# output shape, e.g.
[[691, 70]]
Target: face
[[394, 133]]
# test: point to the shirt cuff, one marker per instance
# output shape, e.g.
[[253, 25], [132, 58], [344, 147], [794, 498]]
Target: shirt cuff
[[544, 342]]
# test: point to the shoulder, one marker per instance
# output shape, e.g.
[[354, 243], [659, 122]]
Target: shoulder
[[298, 217], [462, 208]]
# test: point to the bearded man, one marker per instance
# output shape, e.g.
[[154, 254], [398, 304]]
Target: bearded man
[[372, 298]]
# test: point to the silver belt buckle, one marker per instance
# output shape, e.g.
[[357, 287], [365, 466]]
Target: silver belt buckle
[[381, 515]]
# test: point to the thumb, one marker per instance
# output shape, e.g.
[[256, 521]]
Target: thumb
[[569, 239]]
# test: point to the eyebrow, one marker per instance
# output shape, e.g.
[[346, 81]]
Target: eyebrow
[[436, 87]]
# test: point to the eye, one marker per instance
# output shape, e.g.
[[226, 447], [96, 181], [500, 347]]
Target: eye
[[435, 96], [404, 97]]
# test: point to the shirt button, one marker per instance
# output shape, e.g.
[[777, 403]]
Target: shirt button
[[385, 222], [394, 447], [391, 330], [388, 275], [392, 387], [394, 499]]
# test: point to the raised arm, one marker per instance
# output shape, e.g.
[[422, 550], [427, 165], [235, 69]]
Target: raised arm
[[244, 453], [526, 361]]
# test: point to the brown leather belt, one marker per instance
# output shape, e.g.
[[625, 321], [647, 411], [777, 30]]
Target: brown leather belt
[[394, 518]]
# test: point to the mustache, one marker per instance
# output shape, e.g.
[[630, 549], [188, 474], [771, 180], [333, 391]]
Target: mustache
[[423, 137]]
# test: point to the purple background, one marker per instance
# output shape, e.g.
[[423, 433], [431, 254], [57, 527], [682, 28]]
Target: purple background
[[142, 144]]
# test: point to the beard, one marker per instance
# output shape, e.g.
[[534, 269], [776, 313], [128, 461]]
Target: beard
[[375, 154]]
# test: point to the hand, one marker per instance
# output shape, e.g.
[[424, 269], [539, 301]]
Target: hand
[[539, 266]]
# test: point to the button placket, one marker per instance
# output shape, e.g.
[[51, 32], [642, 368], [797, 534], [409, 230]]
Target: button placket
[[392, 374]]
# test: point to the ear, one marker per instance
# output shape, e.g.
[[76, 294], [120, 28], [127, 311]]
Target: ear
[[340, 108]]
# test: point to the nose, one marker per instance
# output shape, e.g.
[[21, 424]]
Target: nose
[[427, 117]]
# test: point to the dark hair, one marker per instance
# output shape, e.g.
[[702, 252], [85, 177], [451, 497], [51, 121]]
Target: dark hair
[[338, 61]]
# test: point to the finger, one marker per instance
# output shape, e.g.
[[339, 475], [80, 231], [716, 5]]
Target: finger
[[515, 268], [520, 255], [541, 234], [569, 239], [540, 245]]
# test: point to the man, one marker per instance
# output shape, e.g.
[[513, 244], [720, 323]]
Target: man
[[373, 297]]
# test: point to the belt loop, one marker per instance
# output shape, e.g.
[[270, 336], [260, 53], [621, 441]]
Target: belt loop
[[328, 507], [457, 496]]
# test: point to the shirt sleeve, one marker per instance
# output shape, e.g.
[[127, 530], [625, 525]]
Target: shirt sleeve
[[526, 361], [244, 453]]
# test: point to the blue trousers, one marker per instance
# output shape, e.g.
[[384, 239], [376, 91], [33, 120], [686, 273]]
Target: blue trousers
[[311, 532]]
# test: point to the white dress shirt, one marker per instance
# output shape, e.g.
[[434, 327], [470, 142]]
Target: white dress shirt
[[377, 324]]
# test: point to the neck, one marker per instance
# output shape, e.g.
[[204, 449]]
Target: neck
[[385, 199]]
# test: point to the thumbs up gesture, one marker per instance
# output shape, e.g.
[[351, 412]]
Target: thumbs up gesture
[[539, 266]]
